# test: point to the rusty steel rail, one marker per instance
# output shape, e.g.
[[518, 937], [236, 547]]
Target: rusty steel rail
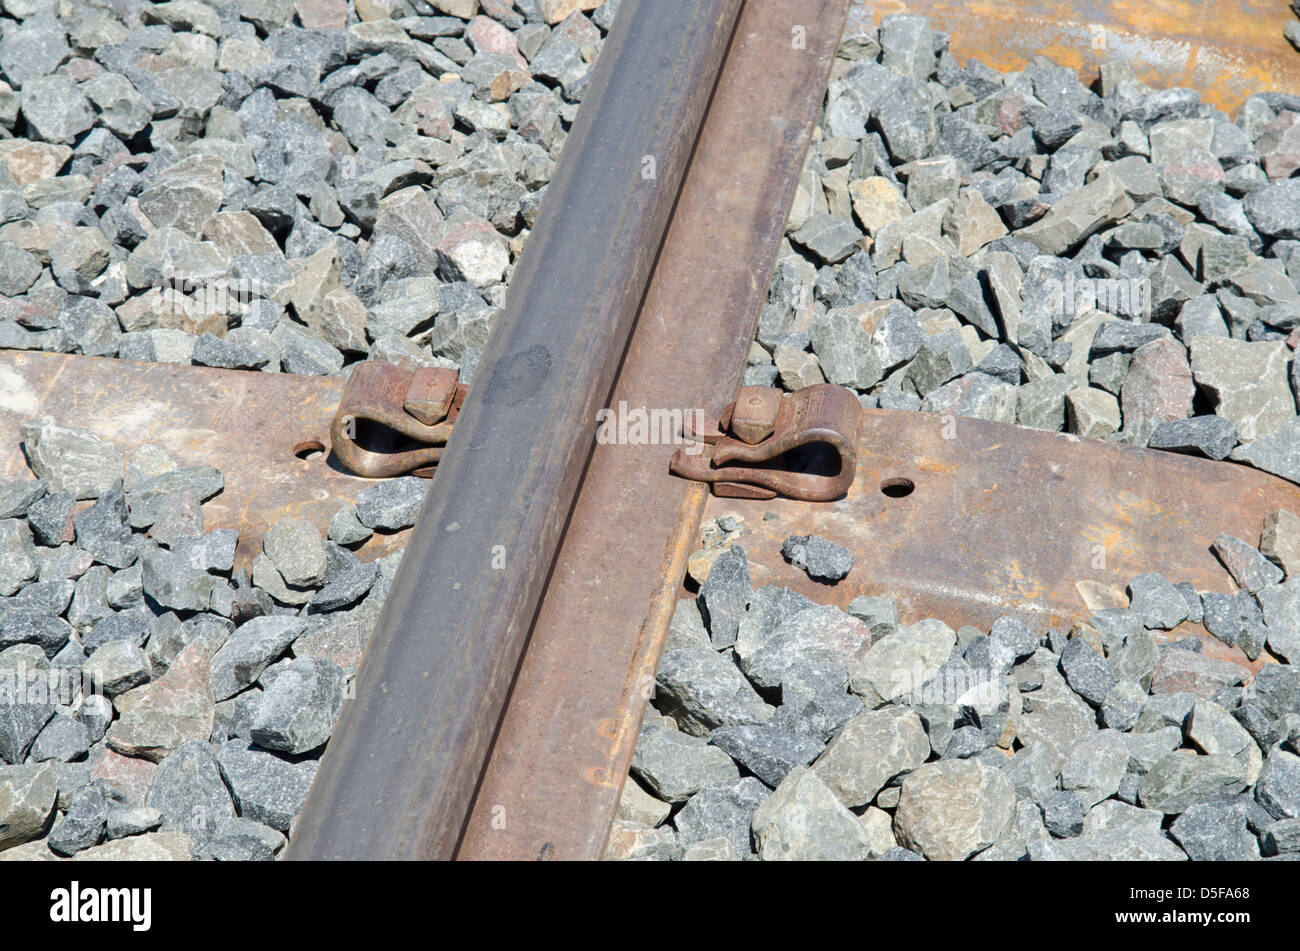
[[557, 769], [400, 773]]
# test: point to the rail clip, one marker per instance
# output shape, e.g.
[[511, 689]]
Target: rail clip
[[391, 421], [800, 445]]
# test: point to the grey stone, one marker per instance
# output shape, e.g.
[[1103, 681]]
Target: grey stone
[[95, 714], [1157, 601], [249, 651], [125, 820], [391, 505], [243, 840], [188, 792], [24, 624], [819, 633], [83, 824], [710, 850], [1210, 436], [103, 531], [1123, 705], [1278, 789], [212, 551], [50, 518], [297, 710], [1079, 215], [347, 588], [295, 546], [55, 108], [117, 667], [903, 662], [173, 583], [17, 497], [158, 717], [265, 788], [27, 798], [1055, 718], [845, 350], [871, 749], [346, 529], [149, 499], [1248, 567], [1096, 766], [704, 690], [725, 595], [830, 238], [1063, 814], [637, 805], [822, 559], [1248, 381], [1274, 210], [803, 821], [1109, 845], [1215, 731], [686, 629], [1041, 402], [900, 854], [1215, 832], [72, 460], [953, 808], [1032, 772], [722, 810], [880, 614], [1276, 689], [25, 702], [1085, 671], [62, 739], [1179, 779], [676, 765], [769, 752], [814, 702], [1278, 452], [1185, 671]]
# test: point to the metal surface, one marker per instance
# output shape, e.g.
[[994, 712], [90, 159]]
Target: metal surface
[[1004, 520], [252, 426], [392, 421], [795, 445], [565, 743], [1225, 49], [399, 776]]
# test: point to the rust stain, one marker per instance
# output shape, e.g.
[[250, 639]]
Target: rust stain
[[1225, 49], [1016, 533], [247, 424]]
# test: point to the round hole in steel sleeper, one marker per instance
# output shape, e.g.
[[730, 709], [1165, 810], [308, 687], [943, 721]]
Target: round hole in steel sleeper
[[897, 487], [309, 449]]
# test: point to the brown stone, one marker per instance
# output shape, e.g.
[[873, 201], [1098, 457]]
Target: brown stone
[[487, 35], [1159, 384], [158, 717], [1279, 146], [1280, 540], [322, 14], [1184, 671], [30, 162]]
